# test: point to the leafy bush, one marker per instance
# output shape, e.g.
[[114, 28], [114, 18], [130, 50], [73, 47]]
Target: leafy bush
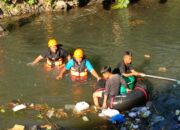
[[31, 2]]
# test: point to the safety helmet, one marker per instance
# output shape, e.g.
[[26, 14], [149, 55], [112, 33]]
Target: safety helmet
[[52, 42], [78, 53]]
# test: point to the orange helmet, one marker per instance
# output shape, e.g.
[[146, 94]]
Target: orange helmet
[[52, 42], [78, 53]]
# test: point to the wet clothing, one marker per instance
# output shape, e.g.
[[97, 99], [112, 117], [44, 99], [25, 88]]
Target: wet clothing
[[113, 84], [124, 68], [85, 64], [130, 80], [53, 57]]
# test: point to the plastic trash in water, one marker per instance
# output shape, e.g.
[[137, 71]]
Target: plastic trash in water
[[178, 118], [69, 107], [146, 114], [101, 115], [135, 126], [19, 107], [110, 112], [177, 112], [17, 127], [118, 119], [2, 110], [80, 106], [85, 118], [50, 113], [156, 119], [140, 109], [132, 114]]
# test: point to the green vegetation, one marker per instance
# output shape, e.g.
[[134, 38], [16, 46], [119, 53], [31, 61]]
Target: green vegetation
[[32, 2]]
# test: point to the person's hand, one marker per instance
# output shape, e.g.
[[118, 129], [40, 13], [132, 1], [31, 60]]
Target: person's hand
[[30, 64], [104, 106], [128, 90], [99, 78], [59, 77], [135, 73]]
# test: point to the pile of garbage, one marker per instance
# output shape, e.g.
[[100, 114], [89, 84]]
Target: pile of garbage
[[137, 118], [44, 110]]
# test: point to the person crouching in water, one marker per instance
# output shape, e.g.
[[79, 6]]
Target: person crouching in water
[[127, 71], [79, 67], [112, 87], [55, 56]]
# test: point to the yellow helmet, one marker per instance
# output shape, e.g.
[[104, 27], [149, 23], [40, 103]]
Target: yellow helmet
[[52, 42], [78, 53]]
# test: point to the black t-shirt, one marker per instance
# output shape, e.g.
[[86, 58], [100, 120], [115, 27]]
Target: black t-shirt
[[60, 53], [124, 68]]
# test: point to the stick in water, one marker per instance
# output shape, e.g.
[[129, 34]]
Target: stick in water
[[164, 78]]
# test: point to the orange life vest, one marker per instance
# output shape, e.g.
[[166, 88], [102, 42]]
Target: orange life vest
[[54, 63], [79, 71]]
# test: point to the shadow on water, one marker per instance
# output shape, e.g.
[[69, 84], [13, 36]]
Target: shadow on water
[[162, 1], [134, 1], [107, 4], [83, 3], [20, 23]]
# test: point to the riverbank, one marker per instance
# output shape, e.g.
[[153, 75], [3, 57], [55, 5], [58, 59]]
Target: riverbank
[[10, 8], [21, 7]]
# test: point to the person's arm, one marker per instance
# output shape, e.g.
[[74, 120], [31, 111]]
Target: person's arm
[[68, 57], [92, 70], [63, 70], [38, 59], [94, 73], [133, 73]]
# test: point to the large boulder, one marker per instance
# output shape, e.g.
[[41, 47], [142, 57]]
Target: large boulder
[[60, 5], [1, 13], [2, 31]]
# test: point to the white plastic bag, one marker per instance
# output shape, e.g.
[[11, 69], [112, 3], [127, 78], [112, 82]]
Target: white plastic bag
[[110, 112], [80, 106]]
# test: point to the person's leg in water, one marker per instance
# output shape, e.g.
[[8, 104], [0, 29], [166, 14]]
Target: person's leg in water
[[96, 96], [130, 81]]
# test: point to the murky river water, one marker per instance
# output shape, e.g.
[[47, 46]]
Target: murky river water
[[104, 36]]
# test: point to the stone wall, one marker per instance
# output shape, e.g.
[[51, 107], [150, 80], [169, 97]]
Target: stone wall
[[19, 8]]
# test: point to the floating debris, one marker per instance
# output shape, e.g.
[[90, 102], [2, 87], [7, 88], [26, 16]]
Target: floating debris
[[136, 22], [118, 119], [156, 119], [19, 107], [2, 110], [85, 118], [40, 116], [177, 112], [69, 107], [17, 127], [81, 106], [178, 118], [162, 69], [147, 56], [60, 113], [134, 126], [110, 112], [50, 113], [146, 114], [132, 114]]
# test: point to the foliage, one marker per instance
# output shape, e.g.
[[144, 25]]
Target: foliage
[[120, 4], [32, 2]]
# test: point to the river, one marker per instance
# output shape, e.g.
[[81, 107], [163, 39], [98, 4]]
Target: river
[[104, 36]]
